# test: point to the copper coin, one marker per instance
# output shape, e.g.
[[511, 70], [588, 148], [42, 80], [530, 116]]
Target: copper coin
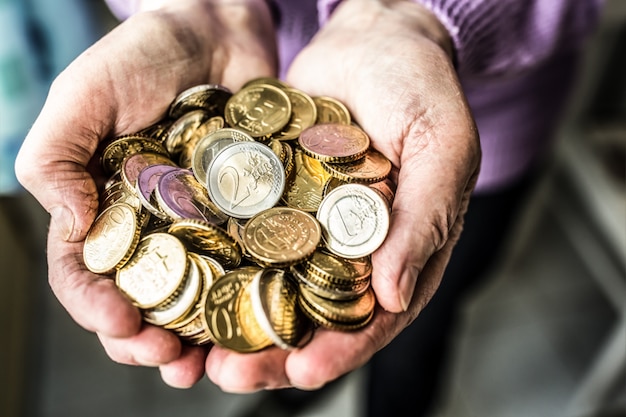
[[373, 167], [334, 142]]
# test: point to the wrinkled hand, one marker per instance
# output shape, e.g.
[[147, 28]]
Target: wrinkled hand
[[122, 84], [389, 62]]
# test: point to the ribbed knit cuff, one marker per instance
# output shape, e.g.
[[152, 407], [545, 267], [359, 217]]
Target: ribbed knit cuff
[[493, 37]]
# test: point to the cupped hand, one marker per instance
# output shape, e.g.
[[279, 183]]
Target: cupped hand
[[120, 85], [390, 63]]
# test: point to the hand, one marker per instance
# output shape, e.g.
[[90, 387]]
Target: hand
[[122, 84], [390, 63]]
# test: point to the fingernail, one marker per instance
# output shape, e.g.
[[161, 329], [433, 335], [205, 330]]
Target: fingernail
[[64, 219], [305, 387], [406, 287]]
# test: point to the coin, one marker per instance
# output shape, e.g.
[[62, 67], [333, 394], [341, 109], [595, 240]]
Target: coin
[[251, 329], [334, 142], [303, 115], [221, 310], [354, 220], [259, 109], [185, 159], [119, 193], [210, 145], [333, 277], [245, 178], [156, 130], [155, 272], [211, 98], [122, 146], [338, 315], [337, 269], [372, 168], [304, 190], [112, 239], [146, 183], [207, 239], [387, 189], [181, 304], [134, 164], [266, 80], [274, 302], [183, 130], [281, 236], [330, 110], [181, 196]]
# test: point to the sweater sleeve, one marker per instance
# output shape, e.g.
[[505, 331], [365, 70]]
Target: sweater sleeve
[[496, 37], [123, 9]]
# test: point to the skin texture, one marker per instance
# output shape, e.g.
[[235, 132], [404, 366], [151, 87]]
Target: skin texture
[[388, 61]]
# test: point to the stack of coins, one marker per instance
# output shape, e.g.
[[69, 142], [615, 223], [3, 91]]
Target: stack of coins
[[244, 219]]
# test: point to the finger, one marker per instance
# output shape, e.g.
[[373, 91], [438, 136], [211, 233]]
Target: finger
[[247, 372], [152, 346], [331, 354], [188, 369], [434, 182], [92, 300]]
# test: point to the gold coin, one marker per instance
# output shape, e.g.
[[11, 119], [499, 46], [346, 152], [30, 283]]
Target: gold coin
[[339, 269], [304, 189], [155, 272], [119, 193], [266, 80], [250, 327], [259, 109], [222, 310], [372, 168], [303, 115], [281, 236], [211, 98], [156, 130], [194, 328], [207, 239], [274, 302], [235, 229], [179, 306], [339, 315], [185, 159], [330, 110], [183, 130], [355, 220], [339, 286], [123, 146], [112, 239]]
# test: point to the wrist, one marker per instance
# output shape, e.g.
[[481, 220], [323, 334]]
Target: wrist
[[405, 14]]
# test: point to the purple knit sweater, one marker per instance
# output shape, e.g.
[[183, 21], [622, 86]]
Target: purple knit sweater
[[516, 60]]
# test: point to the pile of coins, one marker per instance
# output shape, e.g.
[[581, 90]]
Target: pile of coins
[[244, 219]]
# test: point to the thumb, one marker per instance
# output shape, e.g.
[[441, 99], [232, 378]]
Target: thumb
[[51, 165]]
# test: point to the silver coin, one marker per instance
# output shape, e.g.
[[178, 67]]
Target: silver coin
[[209, 146], [354, 219], [245, 178]]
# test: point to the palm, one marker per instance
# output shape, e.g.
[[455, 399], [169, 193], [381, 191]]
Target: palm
[[401, 88], [123, 83]]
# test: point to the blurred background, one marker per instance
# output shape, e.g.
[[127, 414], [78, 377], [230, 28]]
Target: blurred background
[[545, 337]]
